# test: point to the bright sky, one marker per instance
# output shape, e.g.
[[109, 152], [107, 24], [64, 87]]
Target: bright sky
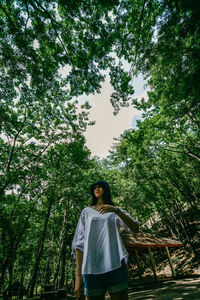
[[100, 136]]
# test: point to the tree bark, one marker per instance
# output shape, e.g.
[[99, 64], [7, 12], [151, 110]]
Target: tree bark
[[47, 271], [60, 266], [40, 249]]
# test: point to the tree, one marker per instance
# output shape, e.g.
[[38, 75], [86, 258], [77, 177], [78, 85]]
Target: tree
[[51, 53], [158, 179]]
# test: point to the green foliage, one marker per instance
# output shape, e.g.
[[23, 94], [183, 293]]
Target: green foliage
[[53, 51]]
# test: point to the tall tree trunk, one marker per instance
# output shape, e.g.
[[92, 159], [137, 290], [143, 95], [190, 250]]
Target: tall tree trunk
[[62, 249], [10, 271], [57, 267], [63, 263], [186, 196], [47, 271], [40, 248], [66, 239], [4, 267], [9, 260], [12, 248]]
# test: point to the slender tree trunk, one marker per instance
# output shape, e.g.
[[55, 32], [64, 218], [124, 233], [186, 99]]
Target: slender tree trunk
[[185, 195], [57, 266], [10, 271], [47, 271], [62, 249], [63, 258], [8, 262], [12, 248], [172, 231], [63, 263], [67, 274], [3, 270], [22, 281], [40, 249]]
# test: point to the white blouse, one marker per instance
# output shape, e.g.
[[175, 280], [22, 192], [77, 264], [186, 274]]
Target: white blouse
[[98, 237]]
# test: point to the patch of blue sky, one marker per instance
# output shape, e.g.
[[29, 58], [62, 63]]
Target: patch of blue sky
[[135, 119], [139, 83], [140, 90]]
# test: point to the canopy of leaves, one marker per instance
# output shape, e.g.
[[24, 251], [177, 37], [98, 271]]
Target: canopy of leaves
[[52, 52]]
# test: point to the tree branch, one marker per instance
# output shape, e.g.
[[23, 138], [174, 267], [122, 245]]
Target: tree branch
[[53, 21], [138, 38], [8, 16], [14, 143], [28, 13], [191, 154]]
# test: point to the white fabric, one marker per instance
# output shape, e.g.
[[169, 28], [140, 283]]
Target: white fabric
[[97, 236]]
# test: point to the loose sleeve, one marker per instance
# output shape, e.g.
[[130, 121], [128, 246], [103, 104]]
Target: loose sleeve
[[122, 225], [78, 240]]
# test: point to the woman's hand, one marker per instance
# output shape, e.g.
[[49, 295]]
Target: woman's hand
[[104, 208], [79, 290], [130, 223]]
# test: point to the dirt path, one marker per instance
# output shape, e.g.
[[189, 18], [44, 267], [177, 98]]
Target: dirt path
[[174, 289]]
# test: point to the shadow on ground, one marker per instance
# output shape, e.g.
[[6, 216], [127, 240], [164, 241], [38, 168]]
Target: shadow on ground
[[178, 289]]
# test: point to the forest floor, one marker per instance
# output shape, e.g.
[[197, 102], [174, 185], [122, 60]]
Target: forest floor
[[174, 289], [184, 263], [186, 285]]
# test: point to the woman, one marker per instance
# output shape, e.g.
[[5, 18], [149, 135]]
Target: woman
[[99, 251]]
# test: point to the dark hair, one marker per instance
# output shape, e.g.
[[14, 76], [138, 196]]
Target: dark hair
[[106, 195]]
